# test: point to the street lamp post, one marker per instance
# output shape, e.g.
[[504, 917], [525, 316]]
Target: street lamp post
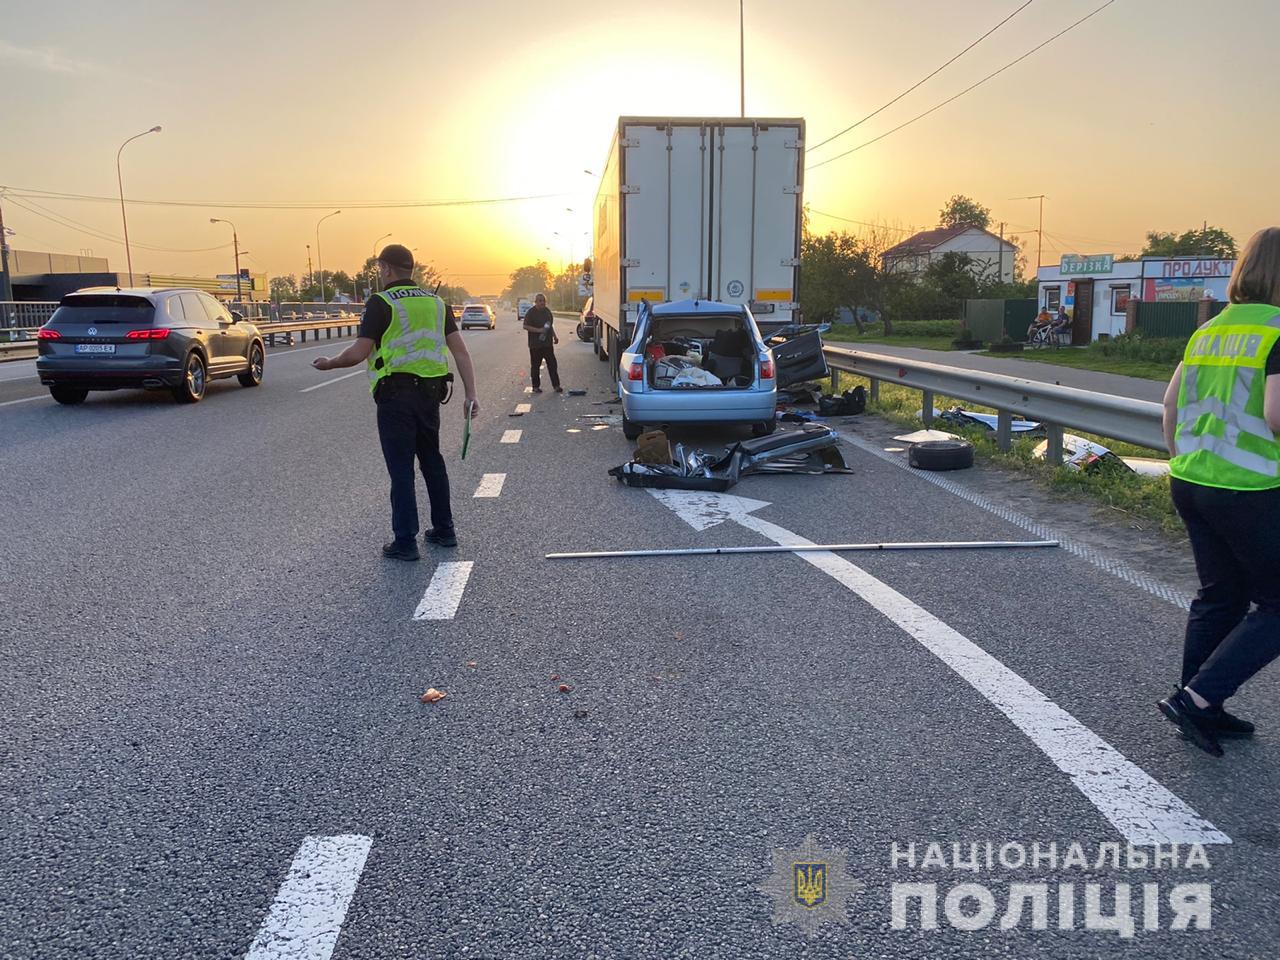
[[373, 282], [124, 220], [319, 258], [235, 243]]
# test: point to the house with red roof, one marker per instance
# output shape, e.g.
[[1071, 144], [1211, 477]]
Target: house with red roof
[[992, 256]]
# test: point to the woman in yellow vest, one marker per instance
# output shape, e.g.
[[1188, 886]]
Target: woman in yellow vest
[[1221, 418]]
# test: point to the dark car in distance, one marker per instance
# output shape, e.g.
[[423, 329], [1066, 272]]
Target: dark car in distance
[[109, 338], [587, 321]]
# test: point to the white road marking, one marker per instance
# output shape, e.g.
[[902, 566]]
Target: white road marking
[[528, 390], [306, 917], [444, 592], [511, 436], [523, 407], [490, 485], [283, 351], [10, 403], [345, 376], [1144, 812]]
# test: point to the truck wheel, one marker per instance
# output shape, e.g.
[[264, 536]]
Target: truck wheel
[[941, 455], [631, 430]]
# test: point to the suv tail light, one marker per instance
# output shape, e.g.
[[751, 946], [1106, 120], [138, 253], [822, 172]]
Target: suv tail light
[[44, 333], [766, 369], [150, 333], [637, 370]]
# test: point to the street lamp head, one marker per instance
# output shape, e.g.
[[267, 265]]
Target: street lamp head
[[155, 129], [214, 220]]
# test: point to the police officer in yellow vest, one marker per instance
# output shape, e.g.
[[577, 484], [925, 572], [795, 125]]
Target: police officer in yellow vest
[[1221, 418], [403, 337]]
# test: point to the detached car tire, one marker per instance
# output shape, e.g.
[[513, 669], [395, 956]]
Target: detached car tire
[[941, 455]]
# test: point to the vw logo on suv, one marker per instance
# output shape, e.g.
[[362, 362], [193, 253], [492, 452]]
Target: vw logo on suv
[[92, 331]]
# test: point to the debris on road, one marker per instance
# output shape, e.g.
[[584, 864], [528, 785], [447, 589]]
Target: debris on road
[[565, 688], [579, 713], [941, 455], [433, 695], [555, 676], [1081, 454], [472, 664], [960, 417], [920, 436], [576, 393], [811, 450]]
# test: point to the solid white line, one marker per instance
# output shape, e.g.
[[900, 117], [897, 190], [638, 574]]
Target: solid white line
[[1140, 808], [490, 485], [345, 376], [444, 592], [510, 436], [523, 407], [10, 403], [306, 917]]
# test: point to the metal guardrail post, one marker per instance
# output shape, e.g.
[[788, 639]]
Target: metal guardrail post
[[926, 408], [1004, 430], [835, 382], [1053, 452], [875, 389]]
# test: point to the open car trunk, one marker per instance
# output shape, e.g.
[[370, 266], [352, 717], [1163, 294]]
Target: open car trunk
[[699, 353]]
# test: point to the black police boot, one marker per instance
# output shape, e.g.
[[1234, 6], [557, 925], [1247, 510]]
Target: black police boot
[[1197, 725], [395, 550], [441, 538]]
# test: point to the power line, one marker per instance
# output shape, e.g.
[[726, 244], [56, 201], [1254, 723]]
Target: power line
[[863, 223], [921, 82], [973, 86], [31, 193], [75, 225]]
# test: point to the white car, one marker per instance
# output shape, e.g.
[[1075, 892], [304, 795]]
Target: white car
[[477, 315]]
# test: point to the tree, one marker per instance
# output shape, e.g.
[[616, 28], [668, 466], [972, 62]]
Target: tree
[[835, 271], [284, 289], [528, 280], [963, 210], [1205, 242]]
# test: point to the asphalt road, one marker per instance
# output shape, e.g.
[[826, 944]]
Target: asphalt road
[[215, 746]]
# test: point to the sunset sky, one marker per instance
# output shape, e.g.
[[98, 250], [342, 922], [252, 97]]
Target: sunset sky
[[1155, 114]]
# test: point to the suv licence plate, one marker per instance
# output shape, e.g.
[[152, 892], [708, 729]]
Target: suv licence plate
[[95, 348]]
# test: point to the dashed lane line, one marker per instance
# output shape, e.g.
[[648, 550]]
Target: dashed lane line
[[444, 592], [523, 407], [490, 485], [511, 436], [345, 376], [10, 403], [306, 917]]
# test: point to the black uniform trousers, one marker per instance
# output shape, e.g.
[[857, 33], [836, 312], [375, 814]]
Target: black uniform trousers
[[409, 428], [1235, 537]]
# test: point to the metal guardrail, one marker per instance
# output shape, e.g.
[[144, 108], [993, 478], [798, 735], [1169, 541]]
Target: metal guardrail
[[1119, 418], [25, 313]]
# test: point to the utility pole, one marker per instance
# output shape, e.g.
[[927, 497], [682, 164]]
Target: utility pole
[[235, 243], [6, 285], [742, 58], [311, 277], [1000, 274], [1040, 230]]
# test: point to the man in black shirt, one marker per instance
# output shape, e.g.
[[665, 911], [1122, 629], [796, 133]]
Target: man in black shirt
[[409, 396], [542, 338]]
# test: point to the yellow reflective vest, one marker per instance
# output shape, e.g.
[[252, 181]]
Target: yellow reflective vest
[[414, 340]]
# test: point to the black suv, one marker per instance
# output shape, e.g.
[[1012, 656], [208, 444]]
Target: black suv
[[107, 338], [587, 321]]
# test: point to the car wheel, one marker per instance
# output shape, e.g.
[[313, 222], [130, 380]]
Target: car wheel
[[253, 377], [194, 380], [764, 428], [68, 395], [941, 455], [631, 430]]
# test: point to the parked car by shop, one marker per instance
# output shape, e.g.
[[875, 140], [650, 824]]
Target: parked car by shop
[[477, 315], [587, 322], [108, 338], [697, 362]]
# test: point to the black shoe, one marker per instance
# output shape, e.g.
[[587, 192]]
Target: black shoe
[[537, 389], [395, 550], [1226, 724], [1197, 725], [559, 389], [441, 538]]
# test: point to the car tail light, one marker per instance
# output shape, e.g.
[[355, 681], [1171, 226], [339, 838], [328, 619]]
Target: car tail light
[[766, 369], [637, 370], [150, 333], [44, 333]]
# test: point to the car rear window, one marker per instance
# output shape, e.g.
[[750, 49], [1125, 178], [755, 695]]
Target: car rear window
[[474, 310], [104, 308]]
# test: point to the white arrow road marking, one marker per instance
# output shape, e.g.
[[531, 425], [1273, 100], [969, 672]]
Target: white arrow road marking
[[345, 376], [1142, 810], [523, 407], [444, 592], [510, 436], [490, 485], [306, 917]]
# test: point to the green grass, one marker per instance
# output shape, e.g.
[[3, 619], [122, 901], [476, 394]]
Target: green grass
[[1084, 359], [927, 334], [1141, 501]]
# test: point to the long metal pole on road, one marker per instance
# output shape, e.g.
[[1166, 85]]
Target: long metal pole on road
[[124, 220]]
